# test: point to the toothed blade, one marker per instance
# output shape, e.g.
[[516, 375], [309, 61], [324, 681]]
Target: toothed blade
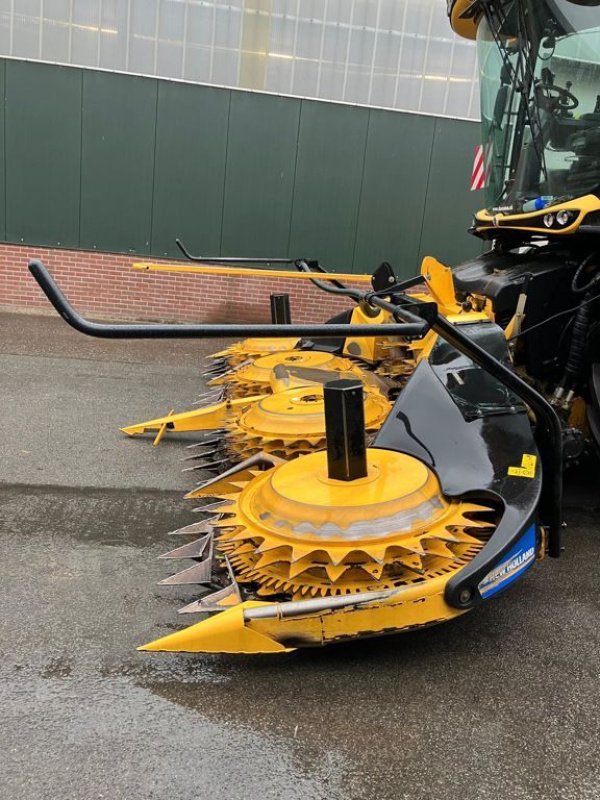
[[208, 443], [206, 440], [198, 456], [211, 508], [335, 571], [191, 549], [223, 598], [199, 573], [436, 547], [272, 557], [209, 466], [216, 464], [196, 528]]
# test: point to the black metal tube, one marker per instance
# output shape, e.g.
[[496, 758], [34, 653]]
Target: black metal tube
[[413, 328], [373, 298], [302, 265], [280, 309], [345, 430], [548, 430], [333, 287], [230, 260]]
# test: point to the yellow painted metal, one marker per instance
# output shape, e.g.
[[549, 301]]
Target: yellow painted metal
[[294, 532], [284, 379], [225, 488], [288, 423], [239, 352], [247, 272], [583, 205], [366, 348], [314, 536], [578, 418], [292, 422], [223, 633], [466, 28], [199, 419], [255, 377], [162, 429], [440, 283], [410, 607]]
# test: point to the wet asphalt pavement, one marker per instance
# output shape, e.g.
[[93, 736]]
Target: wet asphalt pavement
[[502, 702]]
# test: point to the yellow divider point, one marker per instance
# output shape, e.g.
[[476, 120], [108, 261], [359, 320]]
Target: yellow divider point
[[226, 632]]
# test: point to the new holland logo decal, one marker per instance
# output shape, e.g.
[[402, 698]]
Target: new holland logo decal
[[516, 562]]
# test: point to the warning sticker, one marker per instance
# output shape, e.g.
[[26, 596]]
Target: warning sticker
[[527, 468]]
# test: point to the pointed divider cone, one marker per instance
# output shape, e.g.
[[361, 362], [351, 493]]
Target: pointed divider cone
[[223, 633], [207, 419]]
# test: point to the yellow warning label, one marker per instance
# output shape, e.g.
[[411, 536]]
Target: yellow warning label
[[527, 468]]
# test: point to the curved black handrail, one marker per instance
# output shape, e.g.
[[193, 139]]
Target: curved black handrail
[[230, 259], [411, 325]]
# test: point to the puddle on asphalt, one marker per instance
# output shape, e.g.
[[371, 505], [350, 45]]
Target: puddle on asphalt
[[85, 563]]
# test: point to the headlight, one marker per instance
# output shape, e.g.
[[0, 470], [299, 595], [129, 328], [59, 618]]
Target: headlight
[[548, 220], [563, 217]]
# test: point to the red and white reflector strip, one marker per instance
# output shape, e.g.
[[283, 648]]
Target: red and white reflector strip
[[478, 175], [481, 167]]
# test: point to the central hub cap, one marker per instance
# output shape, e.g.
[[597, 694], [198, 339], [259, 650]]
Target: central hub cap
[[299, 414], [261, 369]]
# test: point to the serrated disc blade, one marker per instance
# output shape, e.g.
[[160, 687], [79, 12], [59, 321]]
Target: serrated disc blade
[[199, 573], [212, 508], [206, 440], [195, 529], [191, 549], [203, 454], [217, 601]]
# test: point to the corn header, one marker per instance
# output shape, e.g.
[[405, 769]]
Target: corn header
[[402, 464], [334, 509]]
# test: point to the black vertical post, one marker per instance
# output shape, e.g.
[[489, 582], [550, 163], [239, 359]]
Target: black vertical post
[[345, 430], [280, 309]]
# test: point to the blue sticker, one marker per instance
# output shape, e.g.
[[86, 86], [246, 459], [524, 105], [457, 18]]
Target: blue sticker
[[520, 558]]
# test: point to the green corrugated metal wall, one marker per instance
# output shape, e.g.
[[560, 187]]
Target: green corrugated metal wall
[[120, 163]]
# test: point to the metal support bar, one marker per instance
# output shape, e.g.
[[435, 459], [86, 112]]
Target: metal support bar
[[229, 259], [280, 309], [412, 326], [238, 268], [345, 430]]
